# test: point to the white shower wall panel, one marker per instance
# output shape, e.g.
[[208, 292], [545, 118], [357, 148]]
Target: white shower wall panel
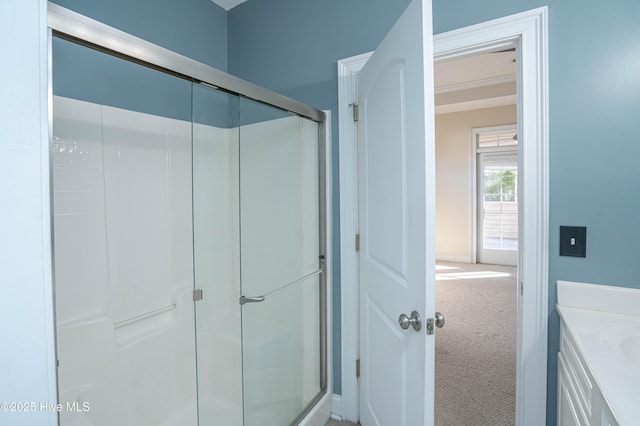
[[310, 203], [149, 381], [122, 206], [79, 210], [217, 273], [129, 247], [124, 281], [147, 169], [216, 224], [279, 199]]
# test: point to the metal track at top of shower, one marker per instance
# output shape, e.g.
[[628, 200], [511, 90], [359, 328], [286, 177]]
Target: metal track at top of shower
[[80, 29]]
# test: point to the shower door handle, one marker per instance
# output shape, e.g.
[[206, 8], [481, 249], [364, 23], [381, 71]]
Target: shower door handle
[[256, 299]]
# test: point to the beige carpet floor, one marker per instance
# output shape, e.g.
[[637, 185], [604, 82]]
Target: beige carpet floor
[[476, 349]]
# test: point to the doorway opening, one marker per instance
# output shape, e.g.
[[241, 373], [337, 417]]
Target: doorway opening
[[527, 32], [475, 374], [476, 239]]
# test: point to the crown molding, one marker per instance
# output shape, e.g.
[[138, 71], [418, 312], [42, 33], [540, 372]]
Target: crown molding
[[492, 81]]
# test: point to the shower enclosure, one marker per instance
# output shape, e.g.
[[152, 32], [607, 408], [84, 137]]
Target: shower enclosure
[[189, 239]]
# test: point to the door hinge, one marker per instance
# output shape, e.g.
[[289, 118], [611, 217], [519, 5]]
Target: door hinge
[[521, 288], [356, 112], [357, 368], [197, 294], [357, 242]]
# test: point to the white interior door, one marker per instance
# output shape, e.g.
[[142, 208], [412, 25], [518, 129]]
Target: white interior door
[[397, 226]]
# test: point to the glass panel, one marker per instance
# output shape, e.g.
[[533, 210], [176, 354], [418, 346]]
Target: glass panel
[[216, 248], [500, 207], [281, 354], [279, 225], [278, 197], [495, 140], [508, 139], [487, 140], [122, 220]]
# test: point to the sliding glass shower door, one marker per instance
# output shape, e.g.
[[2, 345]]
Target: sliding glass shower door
[[280, 263], [189, 271], [256, 235], [121, 189]]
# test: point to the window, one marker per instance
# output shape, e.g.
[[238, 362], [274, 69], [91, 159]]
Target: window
[[497, 194], [500, 207]]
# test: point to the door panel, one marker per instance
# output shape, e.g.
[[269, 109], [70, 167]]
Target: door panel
[[397, 226], [386, 207], [385, 337]]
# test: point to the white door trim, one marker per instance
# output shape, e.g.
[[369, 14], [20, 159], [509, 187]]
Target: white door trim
[[528, 31], [347, 95]]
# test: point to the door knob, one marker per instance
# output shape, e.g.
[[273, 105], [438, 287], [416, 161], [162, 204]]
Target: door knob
[[414, 320], [439, 320]]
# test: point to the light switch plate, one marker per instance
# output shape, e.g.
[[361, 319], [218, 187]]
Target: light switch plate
[[573, 241]]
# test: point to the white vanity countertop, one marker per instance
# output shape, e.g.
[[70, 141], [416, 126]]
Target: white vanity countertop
[[604, 322]]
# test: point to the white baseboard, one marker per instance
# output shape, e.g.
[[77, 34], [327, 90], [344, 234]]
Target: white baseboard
[[336, 407], [453, 258]]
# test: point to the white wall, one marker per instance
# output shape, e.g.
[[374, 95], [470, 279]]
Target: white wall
[[27, 358], [454, 204]]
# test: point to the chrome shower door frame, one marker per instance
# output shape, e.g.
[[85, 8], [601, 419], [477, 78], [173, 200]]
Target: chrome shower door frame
[[71, 26]]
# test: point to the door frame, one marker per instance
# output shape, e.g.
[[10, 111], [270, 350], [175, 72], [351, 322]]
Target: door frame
[[529, 32]]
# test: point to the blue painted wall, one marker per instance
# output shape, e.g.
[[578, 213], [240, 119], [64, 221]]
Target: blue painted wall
[[292, 46], [194, 28], [86, 74]]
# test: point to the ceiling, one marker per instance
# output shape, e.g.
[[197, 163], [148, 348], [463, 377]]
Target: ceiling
[[480, 81]]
